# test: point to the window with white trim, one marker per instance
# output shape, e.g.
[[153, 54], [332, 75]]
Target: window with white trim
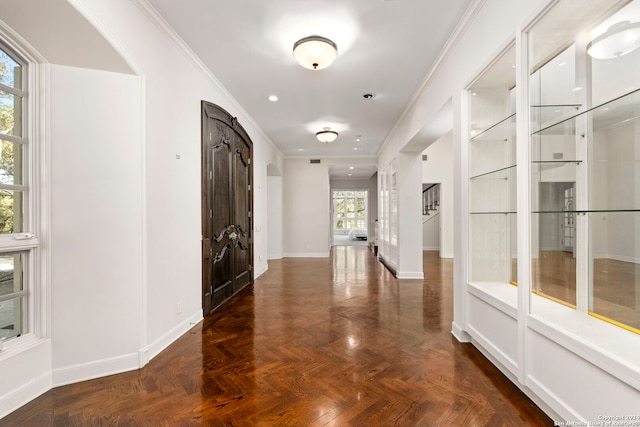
[[350, 210], [16, 244]]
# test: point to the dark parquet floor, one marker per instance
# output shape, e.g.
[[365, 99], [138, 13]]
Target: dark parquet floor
[[314, 342]]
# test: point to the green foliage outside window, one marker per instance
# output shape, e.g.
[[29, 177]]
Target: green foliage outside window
[[10, 113]]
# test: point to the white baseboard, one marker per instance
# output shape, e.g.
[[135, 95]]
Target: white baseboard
[[257, 274], [24, 394], [623, 258], [307, 255], [431, 248], [165, 340], [410, 275], [505, 363], [95, 369], [552, 405], [459, 333], [274, 256], [541, 400]]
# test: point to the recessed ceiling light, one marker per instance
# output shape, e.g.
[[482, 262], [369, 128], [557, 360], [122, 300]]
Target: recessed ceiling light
[[350, 174], [473, 93], [351, 167], [368, 96], [273, 98], [357, 140], [300, 149], [355, 148]]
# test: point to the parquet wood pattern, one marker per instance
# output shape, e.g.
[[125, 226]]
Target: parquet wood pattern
[[314, 342]]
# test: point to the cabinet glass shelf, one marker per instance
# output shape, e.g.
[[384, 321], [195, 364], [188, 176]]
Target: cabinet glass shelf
[[503, 173], [503, 130], [544, 116], [617, 111], [586, 211], [556, 162], [493, 213]]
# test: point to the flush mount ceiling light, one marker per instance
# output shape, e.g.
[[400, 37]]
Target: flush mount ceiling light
[[315, 52], [618, 40], [327, 135]]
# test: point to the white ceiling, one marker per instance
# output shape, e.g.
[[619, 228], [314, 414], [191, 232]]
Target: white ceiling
[[384, 47]]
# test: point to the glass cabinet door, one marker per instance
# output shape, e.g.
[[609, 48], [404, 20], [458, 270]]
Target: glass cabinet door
[[585, 159], [492, 170]]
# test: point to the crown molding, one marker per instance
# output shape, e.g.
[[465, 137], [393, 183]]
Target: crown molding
[[158, 20], [462, 26]]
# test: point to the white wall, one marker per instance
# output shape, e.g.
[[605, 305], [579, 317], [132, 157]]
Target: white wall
[[96, 222], [125, 229], [431, 232], [409, 175], [172, 186], [439, 169], [307, 216], [274, 217]]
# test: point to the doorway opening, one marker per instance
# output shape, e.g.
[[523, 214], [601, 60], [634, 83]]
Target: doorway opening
[[350, 217]]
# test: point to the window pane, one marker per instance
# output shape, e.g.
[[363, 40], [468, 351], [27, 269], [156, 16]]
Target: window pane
[[10, 211], [11, 318], [339, 208], [10, 163], [11, 310], [351, 207], [360, 223], [340, 224], [348, 193], [10, 114], [360, 208], [351, 224], [10, 71], [10, 273]]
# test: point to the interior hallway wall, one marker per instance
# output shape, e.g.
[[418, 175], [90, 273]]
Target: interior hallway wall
[[439, 169], [274, 217], [307, 217]]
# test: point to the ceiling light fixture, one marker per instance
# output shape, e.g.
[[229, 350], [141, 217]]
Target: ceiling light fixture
[[327, 135], [315, 52], [618, 40]]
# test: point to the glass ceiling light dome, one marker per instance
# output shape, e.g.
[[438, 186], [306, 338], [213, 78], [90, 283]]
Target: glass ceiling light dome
[[618, 40], [315, 52], [327, 135]]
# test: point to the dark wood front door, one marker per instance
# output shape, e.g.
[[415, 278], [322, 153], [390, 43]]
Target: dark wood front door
[[227, 243]]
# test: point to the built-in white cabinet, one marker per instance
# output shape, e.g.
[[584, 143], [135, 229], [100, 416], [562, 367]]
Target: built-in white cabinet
[[585, 162], [552, 292], [492, 172]]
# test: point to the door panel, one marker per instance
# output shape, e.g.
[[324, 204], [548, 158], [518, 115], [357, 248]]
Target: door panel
[[241, 169], [226, 207]]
